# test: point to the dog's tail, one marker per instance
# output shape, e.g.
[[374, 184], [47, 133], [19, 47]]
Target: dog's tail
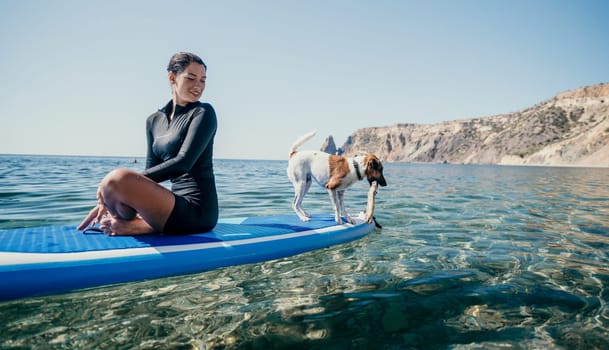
[[301, 141]]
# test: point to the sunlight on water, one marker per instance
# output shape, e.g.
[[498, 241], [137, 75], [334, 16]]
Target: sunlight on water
[[469, 257]]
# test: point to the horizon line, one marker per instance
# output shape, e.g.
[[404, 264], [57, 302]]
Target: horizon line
[[116, 156]]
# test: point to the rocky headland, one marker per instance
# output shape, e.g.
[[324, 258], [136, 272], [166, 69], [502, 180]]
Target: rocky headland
[[570, 129]]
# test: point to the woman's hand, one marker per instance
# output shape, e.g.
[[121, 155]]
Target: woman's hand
[[96, 214]]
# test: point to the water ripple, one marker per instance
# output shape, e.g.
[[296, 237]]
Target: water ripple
[[469, 257]]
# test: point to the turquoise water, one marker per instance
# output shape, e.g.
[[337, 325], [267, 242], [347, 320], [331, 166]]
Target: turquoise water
[[469, 257]]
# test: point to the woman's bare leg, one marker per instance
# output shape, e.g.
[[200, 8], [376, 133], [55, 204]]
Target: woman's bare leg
[[126, 194]]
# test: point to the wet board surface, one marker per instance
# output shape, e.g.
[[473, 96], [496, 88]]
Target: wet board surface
[[54, 259]]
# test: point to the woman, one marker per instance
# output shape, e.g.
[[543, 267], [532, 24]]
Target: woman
[[180, 147]]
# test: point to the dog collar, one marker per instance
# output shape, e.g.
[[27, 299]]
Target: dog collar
[[356, 166]]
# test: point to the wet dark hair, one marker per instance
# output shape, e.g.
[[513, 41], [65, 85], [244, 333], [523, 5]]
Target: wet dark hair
[[181, 60]]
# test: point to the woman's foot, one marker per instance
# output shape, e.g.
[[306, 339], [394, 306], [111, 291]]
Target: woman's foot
[[118, 227]]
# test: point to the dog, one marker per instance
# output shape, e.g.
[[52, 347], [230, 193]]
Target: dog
[[335, 173]]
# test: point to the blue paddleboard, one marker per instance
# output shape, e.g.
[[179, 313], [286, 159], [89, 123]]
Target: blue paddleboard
[[55, 259]]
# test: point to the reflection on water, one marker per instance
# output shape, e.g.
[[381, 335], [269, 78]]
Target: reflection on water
[[469, 257]]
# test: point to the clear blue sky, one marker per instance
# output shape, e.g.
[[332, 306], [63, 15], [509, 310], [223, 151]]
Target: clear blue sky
[[80, 77]]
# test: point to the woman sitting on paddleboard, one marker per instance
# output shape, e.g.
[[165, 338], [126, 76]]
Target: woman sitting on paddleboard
[[180, 148]]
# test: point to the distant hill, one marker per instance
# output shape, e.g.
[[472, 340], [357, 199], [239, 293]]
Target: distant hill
[[570, 129]]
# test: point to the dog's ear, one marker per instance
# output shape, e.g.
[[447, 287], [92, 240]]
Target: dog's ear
[[373, 163]]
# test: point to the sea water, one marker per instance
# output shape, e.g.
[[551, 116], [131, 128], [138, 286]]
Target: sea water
[[469, 257]]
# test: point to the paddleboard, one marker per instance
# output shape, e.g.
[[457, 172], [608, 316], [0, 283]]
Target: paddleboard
[[54, 259]]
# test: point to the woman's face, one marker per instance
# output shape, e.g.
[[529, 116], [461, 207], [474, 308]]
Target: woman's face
[[189, 84]]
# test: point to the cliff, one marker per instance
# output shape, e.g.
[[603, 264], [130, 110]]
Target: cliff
[[570, 129], [329, 146]]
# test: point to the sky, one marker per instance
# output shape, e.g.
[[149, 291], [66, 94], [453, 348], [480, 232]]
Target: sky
[[81, 77]]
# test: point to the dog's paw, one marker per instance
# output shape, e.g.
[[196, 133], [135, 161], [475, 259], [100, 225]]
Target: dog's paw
[[304, 218]]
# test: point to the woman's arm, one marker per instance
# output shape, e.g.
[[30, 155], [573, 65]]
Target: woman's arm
[[151, 159], [201, 131]]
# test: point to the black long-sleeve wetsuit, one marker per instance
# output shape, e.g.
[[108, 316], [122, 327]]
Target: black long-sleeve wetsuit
[[181, 150]]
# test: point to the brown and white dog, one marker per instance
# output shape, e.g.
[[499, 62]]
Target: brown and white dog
[[335, 173]]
